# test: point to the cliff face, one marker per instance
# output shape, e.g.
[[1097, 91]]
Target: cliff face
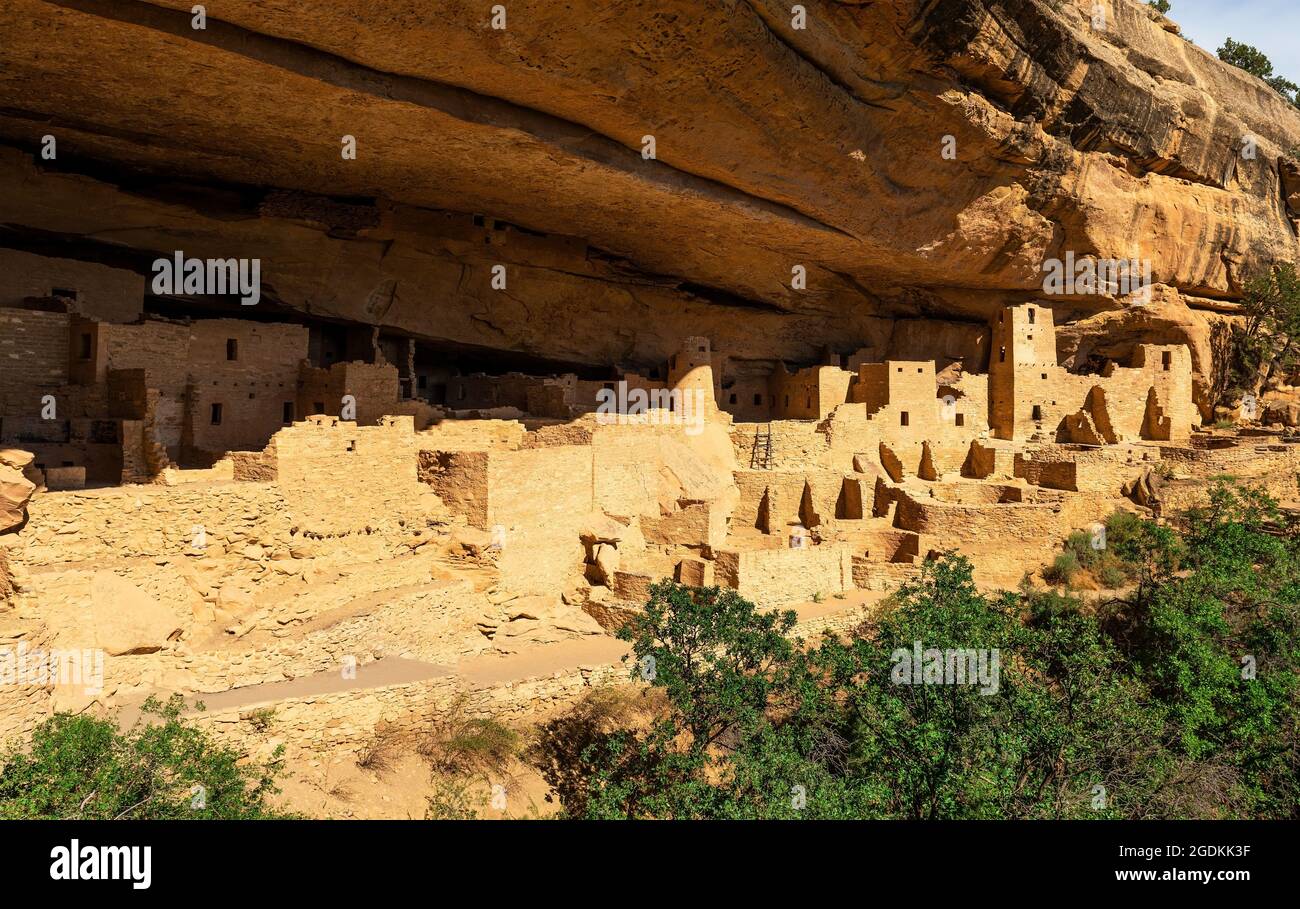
[[774, 147]]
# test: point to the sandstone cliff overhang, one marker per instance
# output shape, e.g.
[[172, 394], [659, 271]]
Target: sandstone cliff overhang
[[775, 147]]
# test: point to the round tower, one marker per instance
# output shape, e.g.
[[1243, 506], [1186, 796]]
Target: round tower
[[690, 372]]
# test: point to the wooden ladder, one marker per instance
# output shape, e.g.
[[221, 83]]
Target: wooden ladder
[[760, 456]]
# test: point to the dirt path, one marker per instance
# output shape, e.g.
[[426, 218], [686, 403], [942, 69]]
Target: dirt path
[[482, 671], [379, 674], [541, 660]]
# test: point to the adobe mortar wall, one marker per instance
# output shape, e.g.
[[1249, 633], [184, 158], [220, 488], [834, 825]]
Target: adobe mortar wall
[[774, 576], [33, 355]]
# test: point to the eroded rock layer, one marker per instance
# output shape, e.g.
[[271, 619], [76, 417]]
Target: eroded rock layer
[[774, 147]]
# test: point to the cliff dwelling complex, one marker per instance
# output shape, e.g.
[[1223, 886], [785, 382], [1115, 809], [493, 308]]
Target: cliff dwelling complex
[[364, 362]]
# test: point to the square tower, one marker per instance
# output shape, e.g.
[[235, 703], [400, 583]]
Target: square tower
[[1022, 358]]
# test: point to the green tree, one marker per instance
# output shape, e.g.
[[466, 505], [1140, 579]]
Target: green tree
[[1061, 722], [1269, 339], [723, 667], [1178, 700], [77, 767], [1160, 6], [1219, 645], [1255, 62]]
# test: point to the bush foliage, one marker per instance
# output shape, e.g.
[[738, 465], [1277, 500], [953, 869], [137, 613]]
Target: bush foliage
[[1177, 700], [78, 767]]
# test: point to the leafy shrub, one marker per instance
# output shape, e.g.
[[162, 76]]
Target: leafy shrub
[[78, 767], [1145, 695], [1062, 569], [1112, 576], [458, 743]]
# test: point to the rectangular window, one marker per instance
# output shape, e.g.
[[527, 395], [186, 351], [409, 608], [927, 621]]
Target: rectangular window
[[1038, 412], [1166, 360], [232, 349], [1031, 317], [216, 414], [288, 411], [758, 400], [961, 419], [87, 347], [904, 418]]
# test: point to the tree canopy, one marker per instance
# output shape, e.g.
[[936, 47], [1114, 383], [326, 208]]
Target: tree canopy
[[1176, 700], [79, 767]]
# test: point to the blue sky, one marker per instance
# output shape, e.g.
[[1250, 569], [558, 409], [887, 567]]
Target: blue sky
[[1273, 26]]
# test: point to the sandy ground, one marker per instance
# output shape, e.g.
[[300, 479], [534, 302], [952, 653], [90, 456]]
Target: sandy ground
[[396, 782]]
